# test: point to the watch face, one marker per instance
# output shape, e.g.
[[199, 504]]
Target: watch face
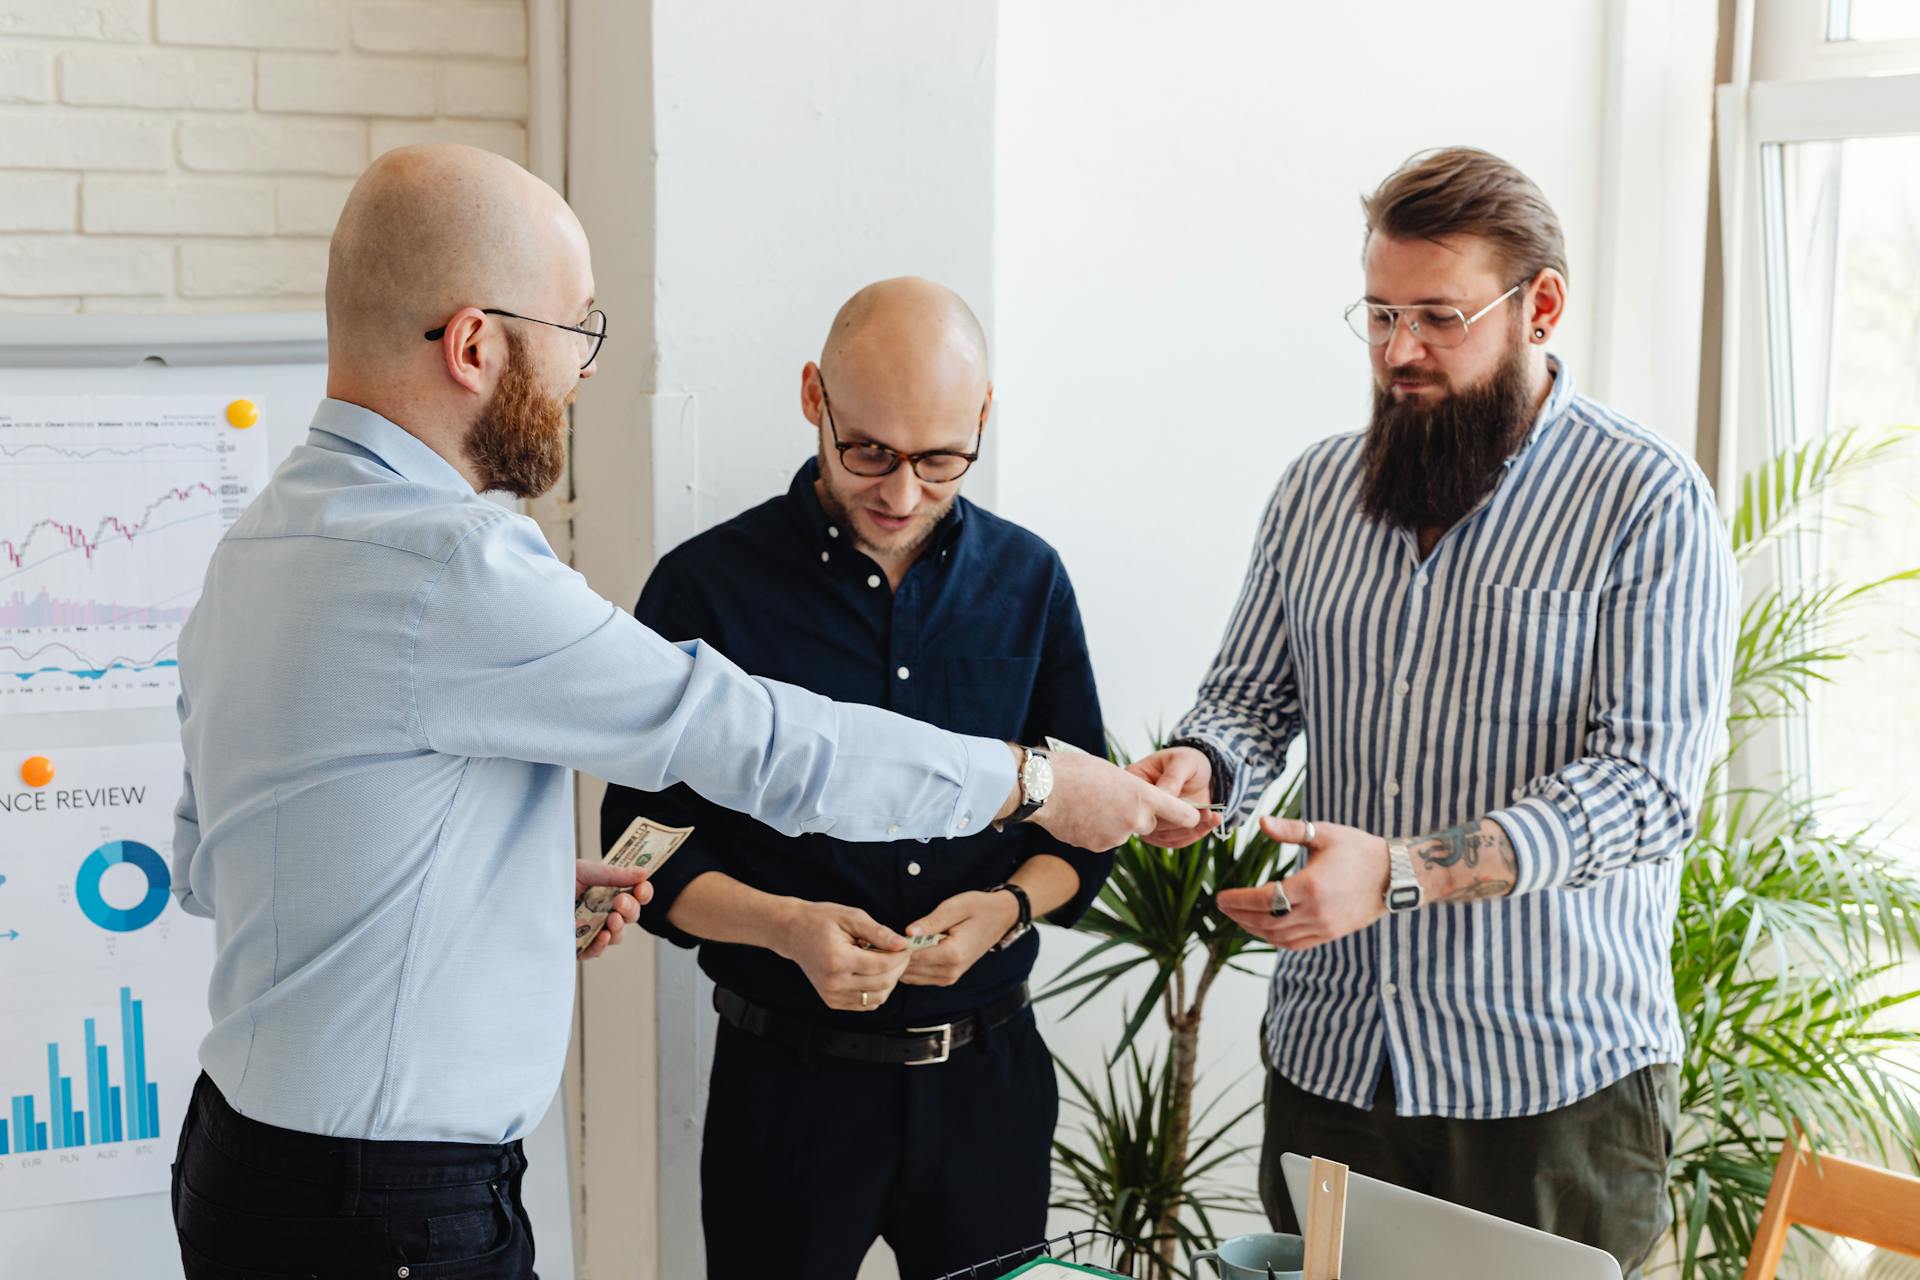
[[1036, 778], [1403, 897]]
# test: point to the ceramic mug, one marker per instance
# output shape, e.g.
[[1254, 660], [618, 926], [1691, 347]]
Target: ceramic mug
[[1263, 1256]]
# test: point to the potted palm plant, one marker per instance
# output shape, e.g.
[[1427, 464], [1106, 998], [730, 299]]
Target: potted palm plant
[[1789, 929]]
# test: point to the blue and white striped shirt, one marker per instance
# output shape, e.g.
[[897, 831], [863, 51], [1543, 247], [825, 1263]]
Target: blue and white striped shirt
[[1560, 663]]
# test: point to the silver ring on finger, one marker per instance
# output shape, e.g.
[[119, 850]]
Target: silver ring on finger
[[1281, 904], [1312, 834]]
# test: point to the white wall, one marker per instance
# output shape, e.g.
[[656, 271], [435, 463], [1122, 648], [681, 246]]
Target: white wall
[[1177, 232], [797, 153], [1157, 218]]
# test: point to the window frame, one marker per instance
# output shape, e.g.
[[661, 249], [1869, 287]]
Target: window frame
[[1755, 123]]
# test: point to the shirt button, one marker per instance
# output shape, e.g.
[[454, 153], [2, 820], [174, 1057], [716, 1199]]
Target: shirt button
[[1392, 788], [1420, 580], [873, 579], [893, 828], [823, 557], [913, 868], [833, 531], [1389, 991], [1519, 794], [1402, 688], [903, 673]]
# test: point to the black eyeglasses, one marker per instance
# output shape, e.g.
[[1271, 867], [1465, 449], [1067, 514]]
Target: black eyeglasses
[[595, 329], [865, 458]]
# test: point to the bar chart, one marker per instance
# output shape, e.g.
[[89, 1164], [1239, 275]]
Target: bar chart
[[103, 978], [127, 1112]]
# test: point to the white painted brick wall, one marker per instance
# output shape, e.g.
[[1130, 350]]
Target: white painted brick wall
[[193, 155], [122, 78], [39, 201], [26, 75]]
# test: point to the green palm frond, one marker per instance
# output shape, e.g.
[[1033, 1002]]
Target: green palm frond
[[1779, 496], [1124, 1174]]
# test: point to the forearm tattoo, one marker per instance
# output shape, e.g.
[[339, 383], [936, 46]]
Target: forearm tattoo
[[1475, 861]]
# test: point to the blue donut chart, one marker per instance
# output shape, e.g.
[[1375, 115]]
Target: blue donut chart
[[123, 919]]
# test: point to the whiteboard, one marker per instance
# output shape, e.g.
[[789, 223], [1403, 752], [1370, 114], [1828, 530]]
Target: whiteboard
[[279, 362]]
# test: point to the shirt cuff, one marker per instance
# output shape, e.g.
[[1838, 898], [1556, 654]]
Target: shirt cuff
[[1543, 844], [990, 776], [1225, 782]]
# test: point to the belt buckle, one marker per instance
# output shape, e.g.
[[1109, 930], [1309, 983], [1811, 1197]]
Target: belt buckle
[[945, 1032]]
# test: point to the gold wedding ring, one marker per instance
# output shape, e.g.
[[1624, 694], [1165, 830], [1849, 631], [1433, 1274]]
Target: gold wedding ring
[[863, 999]]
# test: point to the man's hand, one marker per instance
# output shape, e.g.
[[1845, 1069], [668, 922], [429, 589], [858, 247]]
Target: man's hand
[[1343, 888], [626, 906], [824, 939], [1186, 773], [1097, 805], [973, 922]]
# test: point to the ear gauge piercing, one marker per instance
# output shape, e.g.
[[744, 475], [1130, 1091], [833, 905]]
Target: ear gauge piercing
[[1539, 335]]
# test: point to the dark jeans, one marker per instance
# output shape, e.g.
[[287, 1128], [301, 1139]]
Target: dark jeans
[[1594, 1171], [252, 1202], [808, 1158]]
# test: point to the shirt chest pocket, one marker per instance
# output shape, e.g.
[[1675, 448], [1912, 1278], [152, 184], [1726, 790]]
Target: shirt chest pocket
[[1534, 654], [989, 696]]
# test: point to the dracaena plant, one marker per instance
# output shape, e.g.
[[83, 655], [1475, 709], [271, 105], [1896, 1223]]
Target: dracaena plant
[[1141, 1171]]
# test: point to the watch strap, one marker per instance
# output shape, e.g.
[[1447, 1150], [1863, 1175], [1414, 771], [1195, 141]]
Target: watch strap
[[1024, 924], [1027, 807], [1403, 887]]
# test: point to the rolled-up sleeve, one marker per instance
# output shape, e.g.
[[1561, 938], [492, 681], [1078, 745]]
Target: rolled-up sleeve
[[514, 656], [1663, 663]]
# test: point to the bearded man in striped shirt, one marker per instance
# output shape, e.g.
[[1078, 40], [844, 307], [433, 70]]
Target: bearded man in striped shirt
[[1502, 618]]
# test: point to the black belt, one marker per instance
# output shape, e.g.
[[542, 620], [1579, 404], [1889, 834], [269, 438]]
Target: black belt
[[911, 1047]]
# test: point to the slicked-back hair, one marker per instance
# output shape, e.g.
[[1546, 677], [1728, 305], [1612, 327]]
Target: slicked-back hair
[[1462, 191]]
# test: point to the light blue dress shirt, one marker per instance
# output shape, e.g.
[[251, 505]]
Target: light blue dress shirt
[[383, 688]]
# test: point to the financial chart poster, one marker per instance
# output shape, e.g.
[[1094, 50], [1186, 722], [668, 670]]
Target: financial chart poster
[[110, 507], [103, 978]]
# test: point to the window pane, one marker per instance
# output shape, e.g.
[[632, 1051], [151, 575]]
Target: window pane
[[1852, 242], [1876, 19]]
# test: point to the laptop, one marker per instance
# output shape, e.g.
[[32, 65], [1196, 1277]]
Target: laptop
[[1393, 1232]]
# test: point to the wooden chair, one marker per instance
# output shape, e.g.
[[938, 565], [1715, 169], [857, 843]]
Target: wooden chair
[[1842, 1197]]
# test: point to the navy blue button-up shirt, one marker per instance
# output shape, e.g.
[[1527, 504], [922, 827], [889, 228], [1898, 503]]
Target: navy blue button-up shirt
[[983, 636]]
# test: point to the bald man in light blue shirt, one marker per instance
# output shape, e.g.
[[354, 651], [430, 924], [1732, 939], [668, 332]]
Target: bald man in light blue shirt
[[383, 687]]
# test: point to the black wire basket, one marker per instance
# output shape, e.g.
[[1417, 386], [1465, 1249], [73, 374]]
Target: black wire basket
[[1083, 1248]]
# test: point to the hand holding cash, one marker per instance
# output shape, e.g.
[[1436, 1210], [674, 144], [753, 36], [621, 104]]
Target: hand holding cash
[[640, 851]]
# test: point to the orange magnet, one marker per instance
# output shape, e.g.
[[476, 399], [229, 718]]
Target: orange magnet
[[37, 771], [242, 414]]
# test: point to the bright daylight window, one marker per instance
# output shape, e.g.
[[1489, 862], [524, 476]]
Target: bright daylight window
[[1845, 263], [1873, 20]]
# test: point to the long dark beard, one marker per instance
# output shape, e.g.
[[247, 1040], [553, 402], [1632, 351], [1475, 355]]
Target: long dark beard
[[519, 441], [1427, 466]]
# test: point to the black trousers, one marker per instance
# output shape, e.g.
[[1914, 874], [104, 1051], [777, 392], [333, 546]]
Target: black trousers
[[808, 1159], [1594, 1171], [254, 1202]]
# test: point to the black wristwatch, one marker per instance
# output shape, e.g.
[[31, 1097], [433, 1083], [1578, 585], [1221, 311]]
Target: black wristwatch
[[1024, 925]]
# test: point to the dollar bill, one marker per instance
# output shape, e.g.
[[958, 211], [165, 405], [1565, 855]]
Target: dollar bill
[[644, 845], [925, 940]]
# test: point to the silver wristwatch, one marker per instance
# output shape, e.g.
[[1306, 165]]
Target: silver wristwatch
[[1403, 890], [1036, 786]]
